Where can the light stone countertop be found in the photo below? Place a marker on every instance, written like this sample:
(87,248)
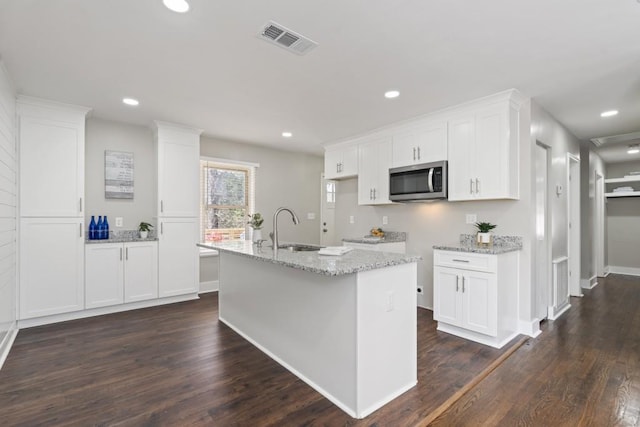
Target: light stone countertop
(467,243)
(389,237)
(352,262)
(124,236)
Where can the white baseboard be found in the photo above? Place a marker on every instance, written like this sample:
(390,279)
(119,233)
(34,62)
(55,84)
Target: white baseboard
(210,286)
(531,328)
(45,320)
(629,271)
(590,283)
(6,343)
(555,313)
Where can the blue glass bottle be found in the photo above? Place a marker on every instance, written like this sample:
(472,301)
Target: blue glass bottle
(99,228)
(92,228)
(105,228)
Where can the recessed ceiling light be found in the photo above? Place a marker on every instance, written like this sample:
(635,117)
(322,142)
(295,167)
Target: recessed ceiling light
(131,101)
(633,149)
(180,6)
(609,113)
(391,94)
(287,134)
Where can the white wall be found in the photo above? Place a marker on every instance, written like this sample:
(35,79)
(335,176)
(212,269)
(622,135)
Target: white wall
(104,135)
(588,205)
(8,196)
(284,178)
(622,224)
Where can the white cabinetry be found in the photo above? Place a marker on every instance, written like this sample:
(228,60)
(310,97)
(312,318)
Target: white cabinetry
(374,159)
(341,162)
(178,257)
(178,149)
(475,295)
(51,266)
(119,273)
(422,144)
(51,236)
(484,152)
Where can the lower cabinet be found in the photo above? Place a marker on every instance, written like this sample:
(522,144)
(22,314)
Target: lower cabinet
(51,266)
(179,256)
(475,295)
(117,273)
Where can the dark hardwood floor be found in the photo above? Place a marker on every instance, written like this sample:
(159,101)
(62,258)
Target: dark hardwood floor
(584,370)
(177,365)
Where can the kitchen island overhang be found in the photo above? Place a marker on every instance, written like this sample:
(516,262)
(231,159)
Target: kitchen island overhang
(345,325)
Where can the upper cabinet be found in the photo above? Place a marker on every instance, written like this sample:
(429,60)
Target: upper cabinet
(484,152)
(51,150)
(178,151)
(422,144)
(341,162)
(374,160)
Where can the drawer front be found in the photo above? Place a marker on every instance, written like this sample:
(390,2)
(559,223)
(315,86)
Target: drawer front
(466,260)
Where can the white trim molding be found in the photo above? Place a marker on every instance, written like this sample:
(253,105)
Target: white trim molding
(7,343)
(531,328)
(210,286)
(629,271)
(590,283)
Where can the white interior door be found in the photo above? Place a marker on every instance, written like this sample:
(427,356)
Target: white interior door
(573,216)
(328,212)
(543,233)
(598,218)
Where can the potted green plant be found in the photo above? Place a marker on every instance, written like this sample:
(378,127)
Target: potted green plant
(255,222)
(484,236)
(143,229)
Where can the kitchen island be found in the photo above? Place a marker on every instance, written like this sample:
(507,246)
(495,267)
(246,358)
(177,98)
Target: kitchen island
(345,325)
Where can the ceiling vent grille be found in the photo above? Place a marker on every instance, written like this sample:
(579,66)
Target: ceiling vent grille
(285,38)
(616,139)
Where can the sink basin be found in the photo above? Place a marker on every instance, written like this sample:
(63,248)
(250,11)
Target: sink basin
(299,247)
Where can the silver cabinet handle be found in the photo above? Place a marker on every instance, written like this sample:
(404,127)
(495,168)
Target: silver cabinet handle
(161,206)
(471,186)
(80,229)
(418,153)
(370,194)
(477,185)
(162,228)
(120,254)
(463,284)
(80,204)
(457,283)
(126,252)
(374,194)
(460,260)
(337,167)
(414,153)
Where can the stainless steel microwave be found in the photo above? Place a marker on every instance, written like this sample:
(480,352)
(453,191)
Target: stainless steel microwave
(418,183)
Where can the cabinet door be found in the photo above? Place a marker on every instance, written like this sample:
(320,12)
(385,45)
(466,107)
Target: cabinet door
(367,173)
(424,144)
(178,174)
(349,161)
(447,302)
(462,159)
(103,274)
(341,162)
(480,302)
(51,266)
(51,168)
(382,173)
(492,154)
(140,271)
(178,258)
(332,159)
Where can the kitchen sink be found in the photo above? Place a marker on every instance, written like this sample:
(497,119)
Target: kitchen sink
(298,247)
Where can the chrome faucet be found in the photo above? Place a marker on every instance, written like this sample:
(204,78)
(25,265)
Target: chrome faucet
(274,234)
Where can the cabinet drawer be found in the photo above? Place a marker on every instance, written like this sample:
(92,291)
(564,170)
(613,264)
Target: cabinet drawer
(465,260)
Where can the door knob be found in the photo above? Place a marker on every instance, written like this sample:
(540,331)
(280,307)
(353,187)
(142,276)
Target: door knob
(324,230)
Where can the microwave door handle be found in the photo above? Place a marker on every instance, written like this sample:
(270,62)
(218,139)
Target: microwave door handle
(430,180)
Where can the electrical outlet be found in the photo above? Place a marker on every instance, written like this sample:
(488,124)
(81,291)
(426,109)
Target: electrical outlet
(420,290)
(472,218)
(311,215)
(119,221)
(352,219)
(390,305)
(385,220)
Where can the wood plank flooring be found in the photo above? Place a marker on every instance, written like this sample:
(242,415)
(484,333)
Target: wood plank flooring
(584,370)
(177,365)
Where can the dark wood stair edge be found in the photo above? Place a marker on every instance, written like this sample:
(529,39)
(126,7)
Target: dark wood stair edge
(462,391)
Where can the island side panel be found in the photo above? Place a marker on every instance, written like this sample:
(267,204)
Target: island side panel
(387,335)
(304,321)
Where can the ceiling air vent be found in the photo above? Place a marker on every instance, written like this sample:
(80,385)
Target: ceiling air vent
(286,39)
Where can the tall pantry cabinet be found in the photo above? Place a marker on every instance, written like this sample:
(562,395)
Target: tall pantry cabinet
(178,160)
(51,207)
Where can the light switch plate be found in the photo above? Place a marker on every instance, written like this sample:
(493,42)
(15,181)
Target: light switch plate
(119,221)
(311,215)
(385,220)
(352,219)
(472,218)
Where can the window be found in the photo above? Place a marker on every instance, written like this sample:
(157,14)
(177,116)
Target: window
(226,199)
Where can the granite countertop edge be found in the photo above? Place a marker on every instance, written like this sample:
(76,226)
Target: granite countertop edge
(382,260)
(389,237)
(492,250)
(121,240)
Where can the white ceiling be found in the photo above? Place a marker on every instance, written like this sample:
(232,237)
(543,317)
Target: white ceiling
(208,69)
